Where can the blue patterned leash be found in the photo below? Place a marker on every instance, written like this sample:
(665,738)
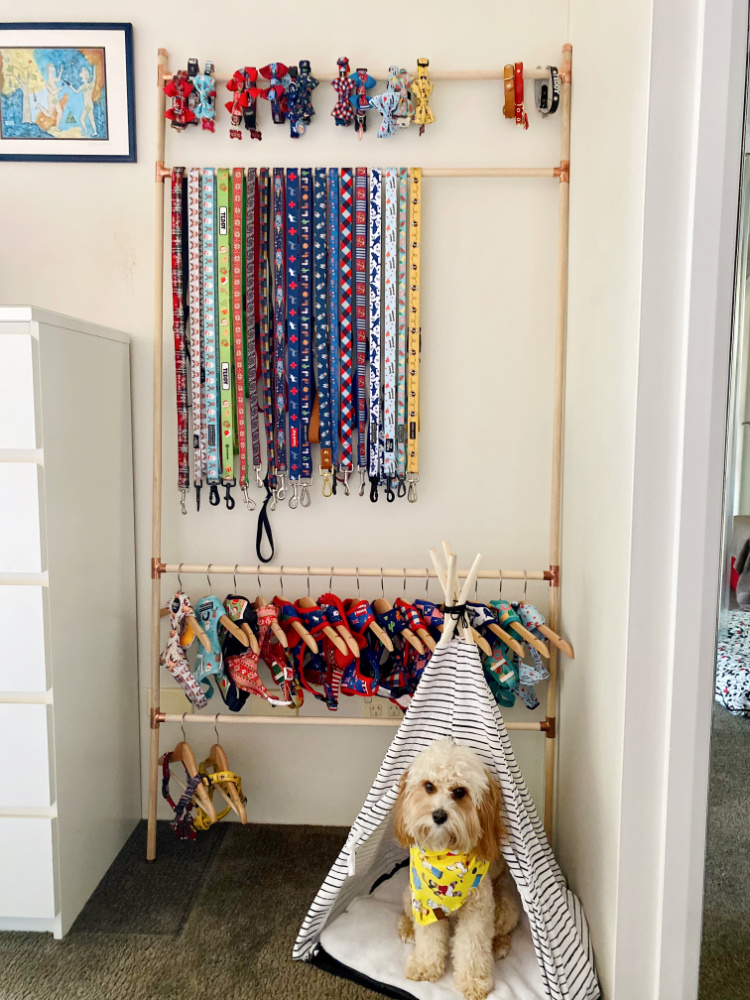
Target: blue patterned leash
(321,328)
(389,354)
(279,330)
(305,331)
(360,312)
(292,313)
(334,293)
(375,358)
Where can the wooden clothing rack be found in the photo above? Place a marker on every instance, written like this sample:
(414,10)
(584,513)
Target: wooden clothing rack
(561,171)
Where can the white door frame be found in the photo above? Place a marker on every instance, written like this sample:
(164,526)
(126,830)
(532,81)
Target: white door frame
(699,55)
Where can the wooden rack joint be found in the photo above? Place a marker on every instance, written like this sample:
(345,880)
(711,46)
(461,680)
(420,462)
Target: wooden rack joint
(162,172)
(549,727)
(563,171)
(157,568)
(554,576)
(157,718)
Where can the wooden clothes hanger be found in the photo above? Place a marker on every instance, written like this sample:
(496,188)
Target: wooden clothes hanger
(381,606)
(298,627)
(217,759)
(183,753)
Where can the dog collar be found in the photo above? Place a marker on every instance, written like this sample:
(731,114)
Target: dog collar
(422,89)
(279,79)
(360,101)
(344,85)
(547,92)
(522,118)
(205,91)
(179,88)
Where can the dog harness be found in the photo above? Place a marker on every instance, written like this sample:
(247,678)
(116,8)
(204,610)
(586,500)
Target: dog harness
(242,663)
(344,85)
(441,882)
(208,611)
(183,823)
(173,657)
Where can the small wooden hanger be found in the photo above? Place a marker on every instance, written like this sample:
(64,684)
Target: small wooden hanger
(298,627)
(278,631)
(191,622)
(182,753)
(225,620)
(562,644)
(341,628)
(338,642)
(218,758)
(380,606)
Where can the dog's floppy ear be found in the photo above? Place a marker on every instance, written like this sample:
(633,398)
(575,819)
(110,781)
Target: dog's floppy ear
(399,824)
(491,822)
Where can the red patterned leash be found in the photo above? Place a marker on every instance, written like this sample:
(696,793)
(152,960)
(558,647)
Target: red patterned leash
(238,268)
(345,321)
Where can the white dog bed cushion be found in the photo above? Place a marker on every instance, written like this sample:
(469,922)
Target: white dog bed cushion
(364,939)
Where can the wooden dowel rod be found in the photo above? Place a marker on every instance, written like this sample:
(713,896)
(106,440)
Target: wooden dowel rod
(153,778)
(550,749)
(438,75)
(296,720)
(488,172)
(349,571)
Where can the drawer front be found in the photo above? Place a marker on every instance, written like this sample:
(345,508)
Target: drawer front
(20,530)
(24,739)
(27,878)
(23,663)
(17,420)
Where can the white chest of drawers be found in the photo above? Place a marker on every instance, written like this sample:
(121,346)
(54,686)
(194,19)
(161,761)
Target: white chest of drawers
(70,792)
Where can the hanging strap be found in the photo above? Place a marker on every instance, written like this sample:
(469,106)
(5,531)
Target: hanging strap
(360,306)
(305,330)
(196,360)
(264,325)
(210,333)
(292,312)
(225,332)
(279,329)
(251,281)
(375,249)
(238,324)
(180,343)
(390,258)
(322,362)
(334,271)
(415,332)
(346,199)
(403,323)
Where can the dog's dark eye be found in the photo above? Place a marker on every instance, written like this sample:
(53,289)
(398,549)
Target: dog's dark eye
(429,787)
(458,793)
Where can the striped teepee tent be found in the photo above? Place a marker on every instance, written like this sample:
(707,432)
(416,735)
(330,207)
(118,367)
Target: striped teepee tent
(453,701)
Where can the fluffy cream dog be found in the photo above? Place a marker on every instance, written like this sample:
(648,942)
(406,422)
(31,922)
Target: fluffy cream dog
(449,802)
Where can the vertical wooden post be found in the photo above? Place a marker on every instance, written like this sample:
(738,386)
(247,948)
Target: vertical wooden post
(550,747)
(153,778)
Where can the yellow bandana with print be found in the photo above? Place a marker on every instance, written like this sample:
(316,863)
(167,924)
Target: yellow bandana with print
(441,882)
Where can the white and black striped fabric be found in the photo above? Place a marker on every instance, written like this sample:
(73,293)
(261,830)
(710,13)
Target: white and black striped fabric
(453,701)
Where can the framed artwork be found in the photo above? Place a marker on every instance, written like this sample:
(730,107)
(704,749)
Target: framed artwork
(66,92)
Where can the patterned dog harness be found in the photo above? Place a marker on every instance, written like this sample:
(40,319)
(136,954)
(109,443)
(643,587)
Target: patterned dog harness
(441,882)
(183,823)
(173,657)
(208,611)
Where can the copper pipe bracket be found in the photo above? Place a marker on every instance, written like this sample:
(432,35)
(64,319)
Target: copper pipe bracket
(549,728)
(157,718)
(563,171)
(554,576)
(162,172)
(157,568)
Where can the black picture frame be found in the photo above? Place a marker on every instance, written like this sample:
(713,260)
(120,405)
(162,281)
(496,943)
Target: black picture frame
(126,32)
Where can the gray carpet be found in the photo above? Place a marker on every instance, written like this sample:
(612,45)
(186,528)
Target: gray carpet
(214,919)
(725,952)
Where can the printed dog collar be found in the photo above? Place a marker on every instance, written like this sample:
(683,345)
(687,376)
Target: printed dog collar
(386,103)
(344,85)
(205,90)
(179,88)
(306,84)
(422,89)
(279,79)
(509,90)
(360,101)
(245,103)
(547,92)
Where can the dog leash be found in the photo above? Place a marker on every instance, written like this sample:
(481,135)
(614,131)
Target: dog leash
(251,291)
(390,269)
(196,338)
(346,189)
(403,322)
(264,327)
(360,307)
(180,344)
(225,334)
(293,338)
(305,332)
(375,250)
(210,345)
(415,332)
(334,271)
(238,325)
(320,282)
(279,328)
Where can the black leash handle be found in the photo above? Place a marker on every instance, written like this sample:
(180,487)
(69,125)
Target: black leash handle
(264,527)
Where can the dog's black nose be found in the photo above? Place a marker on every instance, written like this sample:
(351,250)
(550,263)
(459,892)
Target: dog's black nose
(440,816)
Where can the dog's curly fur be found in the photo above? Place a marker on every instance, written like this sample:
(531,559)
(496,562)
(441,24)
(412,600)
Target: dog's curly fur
(481,928)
